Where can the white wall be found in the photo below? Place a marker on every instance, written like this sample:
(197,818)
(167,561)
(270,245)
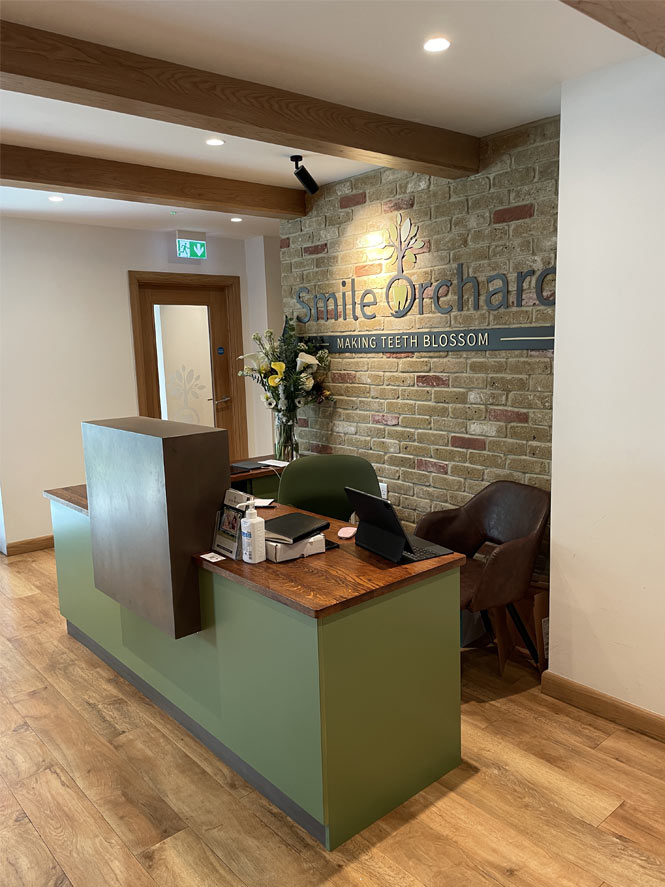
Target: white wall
(3,535)
(66,348)
(608,469)
(265,312)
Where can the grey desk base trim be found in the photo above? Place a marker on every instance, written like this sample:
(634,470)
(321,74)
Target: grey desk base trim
(315,828)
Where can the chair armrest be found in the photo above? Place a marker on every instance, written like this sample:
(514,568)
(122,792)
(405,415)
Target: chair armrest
(507,574)
(452,528)
(433,524)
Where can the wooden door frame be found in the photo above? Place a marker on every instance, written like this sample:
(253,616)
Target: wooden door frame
(145,348)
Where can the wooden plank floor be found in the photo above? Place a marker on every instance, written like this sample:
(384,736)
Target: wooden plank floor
(99,787)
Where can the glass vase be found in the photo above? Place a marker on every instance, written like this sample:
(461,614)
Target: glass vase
(286,443)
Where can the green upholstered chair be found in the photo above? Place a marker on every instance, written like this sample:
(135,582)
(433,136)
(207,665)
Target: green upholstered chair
(316,483)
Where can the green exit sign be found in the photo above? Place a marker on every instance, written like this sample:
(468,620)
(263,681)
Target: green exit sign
(191,249)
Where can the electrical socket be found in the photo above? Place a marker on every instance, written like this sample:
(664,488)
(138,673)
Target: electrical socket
(384,490)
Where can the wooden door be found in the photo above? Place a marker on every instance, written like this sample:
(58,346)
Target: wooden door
(220,296)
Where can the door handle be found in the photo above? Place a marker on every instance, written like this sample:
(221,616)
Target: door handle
(222,400)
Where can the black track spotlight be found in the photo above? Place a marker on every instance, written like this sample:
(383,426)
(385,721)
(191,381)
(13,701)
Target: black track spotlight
(303,176)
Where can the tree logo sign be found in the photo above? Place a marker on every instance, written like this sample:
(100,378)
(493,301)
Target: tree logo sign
(401,246)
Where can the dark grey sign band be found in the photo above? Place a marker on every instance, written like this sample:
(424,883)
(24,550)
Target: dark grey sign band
(528,338)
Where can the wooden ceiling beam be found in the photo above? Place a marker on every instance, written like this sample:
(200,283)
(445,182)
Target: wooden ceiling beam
(55,66)
(640,20)
(73,174)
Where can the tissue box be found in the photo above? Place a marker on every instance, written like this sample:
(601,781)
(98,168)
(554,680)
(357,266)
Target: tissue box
(281,551)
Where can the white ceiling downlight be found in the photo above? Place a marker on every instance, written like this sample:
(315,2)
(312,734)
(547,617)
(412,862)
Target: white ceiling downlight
(436,44)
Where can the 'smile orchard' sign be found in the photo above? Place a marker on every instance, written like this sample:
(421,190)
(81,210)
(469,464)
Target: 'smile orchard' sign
(402,295)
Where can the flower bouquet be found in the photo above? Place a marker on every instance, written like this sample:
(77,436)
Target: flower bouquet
(291,372)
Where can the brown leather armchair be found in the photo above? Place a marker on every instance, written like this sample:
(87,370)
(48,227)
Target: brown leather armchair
(513,517)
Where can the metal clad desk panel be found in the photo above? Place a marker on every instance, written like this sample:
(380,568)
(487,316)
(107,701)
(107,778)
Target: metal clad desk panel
(153,490)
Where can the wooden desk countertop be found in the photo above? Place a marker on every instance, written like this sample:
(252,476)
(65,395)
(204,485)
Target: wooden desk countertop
(318,585)
(335,580)
(75,497)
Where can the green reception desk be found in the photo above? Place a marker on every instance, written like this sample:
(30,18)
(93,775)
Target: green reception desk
(330,684)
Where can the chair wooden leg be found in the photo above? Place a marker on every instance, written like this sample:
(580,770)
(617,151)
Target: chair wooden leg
(504,642)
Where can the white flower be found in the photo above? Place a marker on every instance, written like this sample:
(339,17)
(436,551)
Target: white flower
(253,356)
(306,381)
(300,401)
(269,401)
(306,362)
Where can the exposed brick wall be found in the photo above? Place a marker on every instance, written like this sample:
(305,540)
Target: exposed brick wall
(437,427)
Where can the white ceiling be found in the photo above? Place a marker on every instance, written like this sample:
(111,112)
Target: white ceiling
(60,126)
(32,204)
(505,66)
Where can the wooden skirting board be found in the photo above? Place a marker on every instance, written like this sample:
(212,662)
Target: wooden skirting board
(609,707)
(23,546)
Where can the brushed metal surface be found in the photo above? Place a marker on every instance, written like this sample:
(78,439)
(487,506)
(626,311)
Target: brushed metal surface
(153,490)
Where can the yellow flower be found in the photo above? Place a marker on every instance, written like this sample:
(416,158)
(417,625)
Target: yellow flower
(279,368)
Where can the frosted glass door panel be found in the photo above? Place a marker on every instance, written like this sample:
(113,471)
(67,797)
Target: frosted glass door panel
(183,363)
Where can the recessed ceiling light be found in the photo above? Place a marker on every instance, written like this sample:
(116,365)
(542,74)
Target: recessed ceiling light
(236,219)
(436,44)
(54,198)
(214,142)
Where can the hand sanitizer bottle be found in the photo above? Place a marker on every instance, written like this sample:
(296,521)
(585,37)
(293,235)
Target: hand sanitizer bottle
(253,530)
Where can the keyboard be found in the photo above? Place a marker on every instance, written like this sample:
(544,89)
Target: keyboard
(422,552)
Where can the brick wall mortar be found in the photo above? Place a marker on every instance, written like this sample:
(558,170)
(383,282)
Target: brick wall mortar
(439,427)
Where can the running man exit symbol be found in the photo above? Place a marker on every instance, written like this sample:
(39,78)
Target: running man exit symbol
(191,249)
